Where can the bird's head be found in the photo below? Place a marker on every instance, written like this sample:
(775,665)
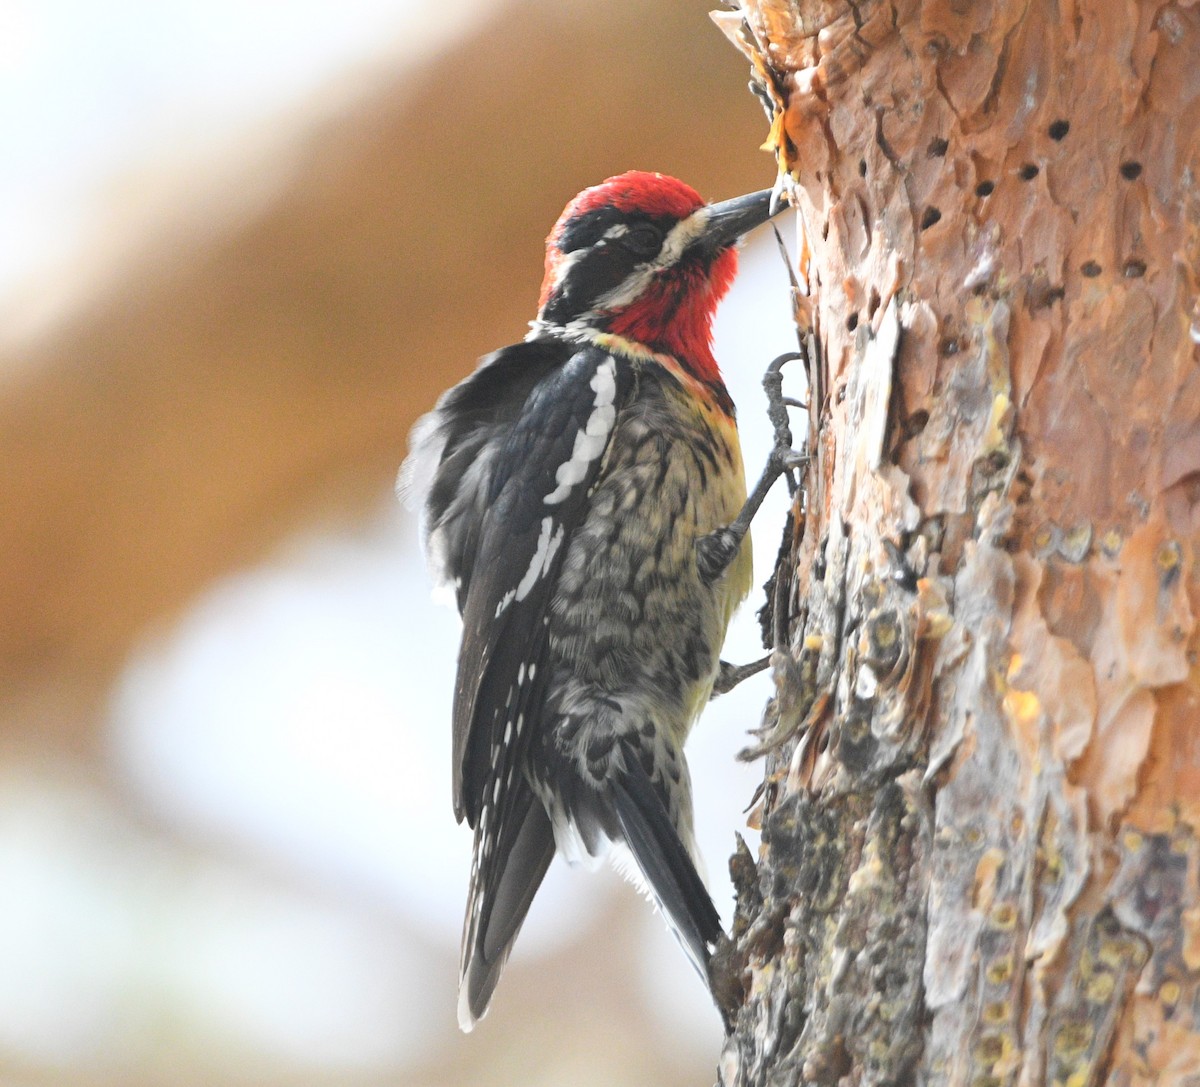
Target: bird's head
(642,256)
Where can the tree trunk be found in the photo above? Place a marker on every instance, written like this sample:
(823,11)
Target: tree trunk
(981,807)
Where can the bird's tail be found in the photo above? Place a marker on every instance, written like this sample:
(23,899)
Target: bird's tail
(670,874)
(505,875)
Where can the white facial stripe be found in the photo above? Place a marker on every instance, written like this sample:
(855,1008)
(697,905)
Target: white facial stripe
(680,236)
(591,440)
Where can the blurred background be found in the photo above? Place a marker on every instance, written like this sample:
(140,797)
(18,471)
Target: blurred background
(242,247)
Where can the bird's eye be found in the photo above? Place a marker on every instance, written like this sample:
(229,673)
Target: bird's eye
(642,240)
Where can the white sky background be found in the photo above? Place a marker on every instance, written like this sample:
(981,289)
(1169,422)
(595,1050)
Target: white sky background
(324,747)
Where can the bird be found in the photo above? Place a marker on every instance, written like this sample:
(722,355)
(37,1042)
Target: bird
(567,488)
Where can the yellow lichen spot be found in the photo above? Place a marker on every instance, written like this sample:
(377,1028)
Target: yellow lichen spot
(1004,916)
(991,1048)
(1052,865)
(1168,557)
(1169,993)
(999,970)
(996,1012)
(879,1050)
(813,642)
(1078,1078)
(1072,1040)
(885,632)
(1112,953)
(994,437)
(972,836)
(1132,841)
(1014,665)
(1190,951)
(890,1009)
(1022,706)
(1100,988)
(1110,543)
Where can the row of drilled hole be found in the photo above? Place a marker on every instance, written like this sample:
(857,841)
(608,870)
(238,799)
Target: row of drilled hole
(1132,269)
(1130,170)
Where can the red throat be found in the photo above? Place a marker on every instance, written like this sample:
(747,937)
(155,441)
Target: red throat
(675,315)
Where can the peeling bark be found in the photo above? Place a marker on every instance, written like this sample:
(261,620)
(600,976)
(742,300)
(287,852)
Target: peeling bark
(980,860)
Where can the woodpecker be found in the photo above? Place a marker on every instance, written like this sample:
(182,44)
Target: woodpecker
(566,487)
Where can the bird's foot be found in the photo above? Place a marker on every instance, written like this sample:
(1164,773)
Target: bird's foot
(730,675)
(715,551)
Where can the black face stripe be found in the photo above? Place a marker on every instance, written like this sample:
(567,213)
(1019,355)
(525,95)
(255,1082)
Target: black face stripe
(595,273)
(599,265)
(589,228)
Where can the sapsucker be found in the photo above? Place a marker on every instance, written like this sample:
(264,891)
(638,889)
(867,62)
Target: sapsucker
(565,486)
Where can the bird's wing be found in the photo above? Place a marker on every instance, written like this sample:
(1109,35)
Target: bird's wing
(452,450)
(539,487)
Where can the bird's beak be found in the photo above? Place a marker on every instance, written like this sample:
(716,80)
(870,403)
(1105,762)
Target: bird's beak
(730,219)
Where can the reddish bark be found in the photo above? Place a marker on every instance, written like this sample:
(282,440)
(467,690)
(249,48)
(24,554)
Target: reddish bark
(980,859)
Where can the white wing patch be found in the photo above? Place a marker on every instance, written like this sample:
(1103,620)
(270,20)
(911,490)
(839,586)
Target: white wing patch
(548,543)
(591,440)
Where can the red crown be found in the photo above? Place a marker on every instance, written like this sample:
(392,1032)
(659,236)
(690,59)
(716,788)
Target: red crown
(637,190)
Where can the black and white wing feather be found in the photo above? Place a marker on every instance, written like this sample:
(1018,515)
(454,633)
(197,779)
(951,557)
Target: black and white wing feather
(530,471)
(551,458)
(448,473)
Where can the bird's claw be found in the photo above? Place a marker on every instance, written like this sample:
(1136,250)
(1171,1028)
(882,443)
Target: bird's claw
(730,675)
(715,551)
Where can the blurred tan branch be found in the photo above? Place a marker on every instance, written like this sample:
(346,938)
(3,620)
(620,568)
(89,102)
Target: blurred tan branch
(223,390)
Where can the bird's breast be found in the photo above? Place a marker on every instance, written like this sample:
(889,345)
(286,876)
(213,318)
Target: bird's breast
(631,612)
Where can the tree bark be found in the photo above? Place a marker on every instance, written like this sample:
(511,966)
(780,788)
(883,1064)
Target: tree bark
(980,860)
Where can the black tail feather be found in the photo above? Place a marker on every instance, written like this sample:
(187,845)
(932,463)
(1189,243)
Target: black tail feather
(502,890)
(665,863)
